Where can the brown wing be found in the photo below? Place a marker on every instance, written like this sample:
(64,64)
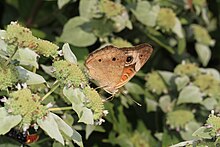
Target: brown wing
(137,56)
(113,67)
(106,66)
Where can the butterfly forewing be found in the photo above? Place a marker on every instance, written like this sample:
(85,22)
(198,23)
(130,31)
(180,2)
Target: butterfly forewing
(113,67)
(138,56)
(106,66)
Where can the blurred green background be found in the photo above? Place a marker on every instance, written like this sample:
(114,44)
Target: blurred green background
(176,98)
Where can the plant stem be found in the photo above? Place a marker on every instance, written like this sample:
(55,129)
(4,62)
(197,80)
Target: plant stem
(9,59)
(168,48)
(55,85)
(34,69)
(60,109)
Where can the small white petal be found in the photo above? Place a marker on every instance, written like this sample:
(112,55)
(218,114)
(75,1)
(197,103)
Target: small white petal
(18,86)
(36,127)
(10,110)
(49,105)
(60,52)
(25,127)
(105,112)
(24,85)
(183,62)
(3,100)
(212,112)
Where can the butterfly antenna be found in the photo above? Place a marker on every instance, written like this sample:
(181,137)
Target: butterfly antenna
(136,102)
(131,99)
(110,98)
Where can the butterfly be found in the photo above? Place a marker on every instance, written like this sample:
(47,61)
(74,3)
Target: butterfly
(112,67)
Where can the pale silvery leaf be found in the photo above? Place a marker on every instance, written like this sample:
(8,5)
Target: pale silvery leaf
(151,105)
(165,103)
(145,13)
(212,72)
(190,94)
(87,116)
(177,29)
(203,132)
(77,98)
(62,3)
(3,48)
(75,34)
(48,69)
(2,34)
(181,82)
(89,130)
(28,77)
(50,126)
(204,53)
(8,121)
(68,54)
(167,76)
(26,57)
(74,95)
(88,9)
(65,128)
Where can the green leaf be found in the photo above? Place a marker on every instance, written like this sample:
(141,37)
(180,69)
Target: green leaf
(57,144)
(167,76)
(38,33)
(203,132)
(26,57)
(8,142)
(122,21)
(89,130)
(29,77)
(134,88)
(176,120)
(145,13)
(184,143)
(48,69)
(151,105)
(202,35)
(81,53)
(68,54)
(88,9)
(210,103)
(190,94)
(74,95)
(203,52)
(77,33)
(98,29)
(3,48)
(181,45)
(2,33)
(50,126)
(215,73)
(177,29)
(165,103)
(181,82)
(190,127)
(62,3)
(8,121)
(76,137)
(123,126)
(169,138)
(86,116)
(77,98)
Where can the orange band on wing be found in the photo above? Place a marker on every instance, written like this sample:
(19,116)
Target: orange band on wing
(124,77)
(127,74)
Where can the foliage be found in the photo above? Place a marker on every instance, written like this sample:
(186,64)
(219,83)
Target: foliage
(45,89)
